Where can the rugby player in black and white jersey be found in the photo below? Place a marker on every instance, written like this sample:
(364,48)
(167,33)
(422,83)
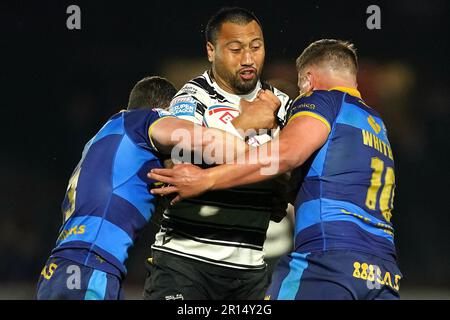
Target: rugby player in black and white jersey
(211,247)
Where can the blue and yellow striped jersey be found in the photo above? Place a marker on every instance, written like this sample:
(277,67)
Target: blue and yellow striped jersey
(107,203)
(346,189)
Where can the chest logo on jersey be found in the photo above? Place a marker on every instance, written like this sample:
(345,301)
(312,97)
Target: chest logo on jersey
(221,114)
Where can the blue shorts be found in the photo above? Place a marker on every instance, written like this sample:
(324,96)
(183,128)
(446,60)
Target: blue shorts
(334,275)
(63,279)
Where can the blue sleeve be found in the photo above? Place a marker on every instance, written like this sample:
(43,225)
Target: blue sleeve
(322,105)
(138,123)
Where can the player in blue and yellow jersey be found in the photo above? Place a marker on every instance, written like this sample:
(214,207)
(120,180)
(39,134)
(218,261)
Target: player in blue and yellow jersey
(343,172)
(108,203)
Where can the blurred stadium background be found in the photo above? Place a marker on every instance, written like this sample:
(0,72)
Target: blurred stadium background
(59,86)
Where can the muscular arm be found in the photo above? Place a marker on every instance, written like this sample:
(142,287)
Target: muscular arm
(215,146)
(296,143)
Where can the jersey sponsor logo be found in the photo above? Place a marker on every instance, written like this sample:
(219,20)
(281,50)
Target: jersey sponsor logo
(48,271)
(219,109)
(177,296)
(310,106)
(189,90)
(72,231)
(375,126)
(220,114)
(374,276)
(183,106)
(226,117)
(300,107)
(179,100)
(385,227)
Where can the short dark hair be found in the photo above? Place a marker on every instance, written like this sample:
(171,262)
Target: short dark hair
(341,54)
(151,92)
(235,15)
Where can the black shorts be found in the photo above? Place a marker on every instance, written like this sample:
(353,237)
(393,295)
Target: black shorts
(171,277)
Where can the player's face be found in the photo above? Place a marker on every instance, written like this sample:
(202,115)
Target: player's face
(238,57)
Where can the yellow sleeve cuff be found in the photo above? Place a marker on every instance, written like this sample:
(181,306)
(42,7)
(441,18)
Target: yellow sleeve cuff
(150,129)
(311,114)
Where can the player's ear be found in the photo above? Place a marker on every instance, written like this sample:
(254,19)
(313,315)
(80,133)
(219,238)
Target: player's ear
(306,83)
(309,82)
(210,50)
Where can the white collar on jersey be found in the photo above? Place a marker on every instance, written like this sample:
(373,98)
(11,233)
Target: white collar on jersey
(234,98)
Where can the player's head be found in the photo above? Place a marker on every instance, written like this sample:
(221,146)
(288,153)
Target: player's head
(235,47)
(151,92)
(325,64)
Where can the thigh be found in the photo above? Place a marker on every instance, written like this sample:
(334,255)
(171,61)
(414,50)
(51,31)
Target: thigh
(255,290)
(245,285)
(352,274)
(373,277)
(334,275)
(287,277)
(63,279)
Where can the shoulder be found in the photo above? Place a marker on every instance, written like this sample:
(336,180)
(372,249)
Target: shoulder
(321,104)
(318,100)
(137,122)
(320,97)
(193,97)
(142,115)
(199,88)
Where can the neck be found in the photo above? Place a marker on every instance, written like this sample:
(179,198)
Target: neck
(327,85)
(329,79)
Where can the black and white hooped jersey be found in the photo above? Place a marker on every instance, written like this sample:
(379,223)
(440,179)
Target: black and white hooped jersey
(224,227)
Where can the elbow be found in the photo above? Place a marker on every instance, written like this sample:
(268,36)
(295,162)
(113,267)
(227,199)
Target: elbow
(289,159)
(286,164)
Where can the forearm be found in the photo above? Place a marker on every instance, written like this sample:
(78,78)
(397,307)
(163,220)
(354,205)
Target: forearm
(296,143)
(256,166)
(290,150)
(232,175)
(219,147)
